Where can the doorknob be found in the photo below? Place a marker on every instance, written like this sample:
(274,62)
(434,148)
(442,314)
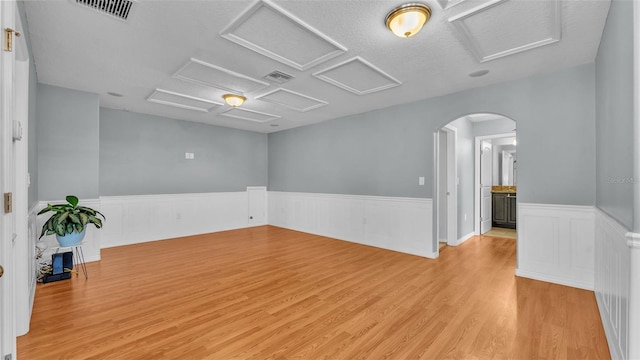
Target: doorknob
(1,271)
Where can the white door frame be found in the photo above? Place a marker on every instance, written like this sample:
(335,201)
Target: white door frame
(451,186)
(485,189)
(7,179)
(24,278)
(477,186)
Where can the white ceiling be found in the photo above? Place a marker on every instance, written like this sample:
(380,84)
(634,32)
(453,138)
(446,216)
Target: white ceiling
(177,58)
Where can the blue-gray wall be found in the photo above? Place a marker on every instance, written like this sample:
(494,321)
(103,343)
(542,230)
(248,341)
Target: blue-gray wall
(466,174)
(383,152)
(614,115)
(33,88)
(145,154)
(67,136)
(377,153)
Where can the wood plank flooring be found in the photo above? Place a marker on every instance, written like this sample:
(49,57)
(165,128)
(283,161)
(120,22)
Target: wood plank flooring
(271,293)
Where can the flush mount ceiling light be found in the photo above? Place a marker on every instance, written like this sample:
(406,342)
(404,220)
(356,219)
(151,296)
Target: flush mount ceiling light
(407,20)
(234,100)
(479,73)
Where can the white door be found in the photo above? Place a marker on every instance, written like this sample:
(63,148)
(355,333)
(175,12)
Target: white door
(452,186)
(23,248)
(486,180)
(257,196)
(7,185)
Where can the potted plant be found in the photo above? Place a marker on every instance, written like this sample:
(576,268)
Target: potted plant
(69,221)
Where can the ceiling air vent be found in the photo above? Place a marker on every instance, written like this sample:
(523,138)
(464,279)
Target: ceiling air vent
(278,77)
(118,8)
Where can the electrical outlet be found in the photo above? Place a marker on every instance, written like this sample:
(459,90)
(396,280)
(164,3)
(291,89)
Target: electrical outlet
(421,180)
(465,217)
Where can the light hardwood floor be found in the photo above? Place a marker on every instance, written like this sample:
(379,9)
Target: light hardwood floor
(270,293)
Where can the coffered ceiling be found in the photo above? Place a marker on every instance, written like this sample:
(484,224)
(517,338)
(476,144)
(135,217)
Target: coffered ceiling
(327,58)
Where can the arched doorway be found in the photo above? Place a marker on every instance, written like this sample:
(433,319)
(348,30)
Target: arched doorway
(462,197)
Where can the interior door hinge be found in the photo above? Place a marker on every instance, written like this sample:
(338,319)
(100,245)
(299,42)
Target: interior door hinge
(8,38)
(8,202)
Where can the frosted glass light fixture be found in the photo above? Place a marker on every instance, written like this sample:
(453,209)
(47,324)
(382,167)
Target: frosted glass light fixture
(234,100)
(408,19)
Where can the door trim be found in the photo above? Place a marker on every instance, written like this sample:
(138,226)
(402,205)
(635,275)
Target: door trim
(7,178)
(452,187)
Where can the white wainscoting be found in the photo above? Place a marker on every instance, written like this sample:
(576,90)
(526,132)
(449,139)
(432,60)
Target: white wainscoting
(143,218)
(26,269)
(556,244)
(91,247)
(399,224)
(612,282)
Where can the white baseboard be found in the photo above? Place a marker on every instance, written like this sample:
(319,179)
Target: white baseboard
(398,224)
(464,238)
(556,244)
(560,280)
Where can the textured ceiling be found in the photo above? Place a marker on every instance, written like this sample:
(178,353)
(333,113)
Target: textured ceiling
(177,58)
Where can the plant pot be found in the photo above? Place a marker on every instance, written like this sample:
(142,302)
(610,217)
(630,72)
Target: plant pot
(72,239)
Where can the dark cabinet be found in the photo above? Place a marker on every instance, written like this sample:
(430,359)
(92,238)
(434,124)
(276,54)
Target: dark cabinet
(504,210)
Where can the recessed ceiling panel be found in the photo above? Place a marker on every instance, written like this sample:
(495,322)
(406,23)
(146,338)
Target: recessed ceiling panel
(358,76)
(273,32)
(250,115)
(446,4)
(182,101)
(292,100)
(201,72)
(505,27)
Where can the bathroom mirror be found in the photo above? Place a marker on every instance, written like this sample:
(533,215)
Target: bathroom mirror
(505,162)
(509,167)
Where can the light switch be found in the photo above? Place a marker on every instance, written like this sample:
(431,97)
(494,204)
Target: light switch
(421,180)
(189,156)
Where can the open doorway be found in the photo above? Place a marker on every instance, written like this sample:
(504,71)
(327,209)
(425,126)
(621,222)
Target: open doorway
(446,187)
(496,181)
(460,198)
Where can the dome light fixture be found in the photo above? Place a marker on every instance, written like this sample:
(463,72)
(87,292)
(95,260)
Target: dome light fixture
(234,100)
(408,19)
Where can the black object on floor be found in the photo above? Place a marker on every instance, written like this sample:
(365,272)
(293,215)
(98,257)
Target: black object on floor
(60,262)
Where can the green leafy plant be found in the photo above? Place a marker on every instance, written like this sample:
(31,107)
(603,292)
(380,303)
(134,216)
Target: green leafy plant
(69,217)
